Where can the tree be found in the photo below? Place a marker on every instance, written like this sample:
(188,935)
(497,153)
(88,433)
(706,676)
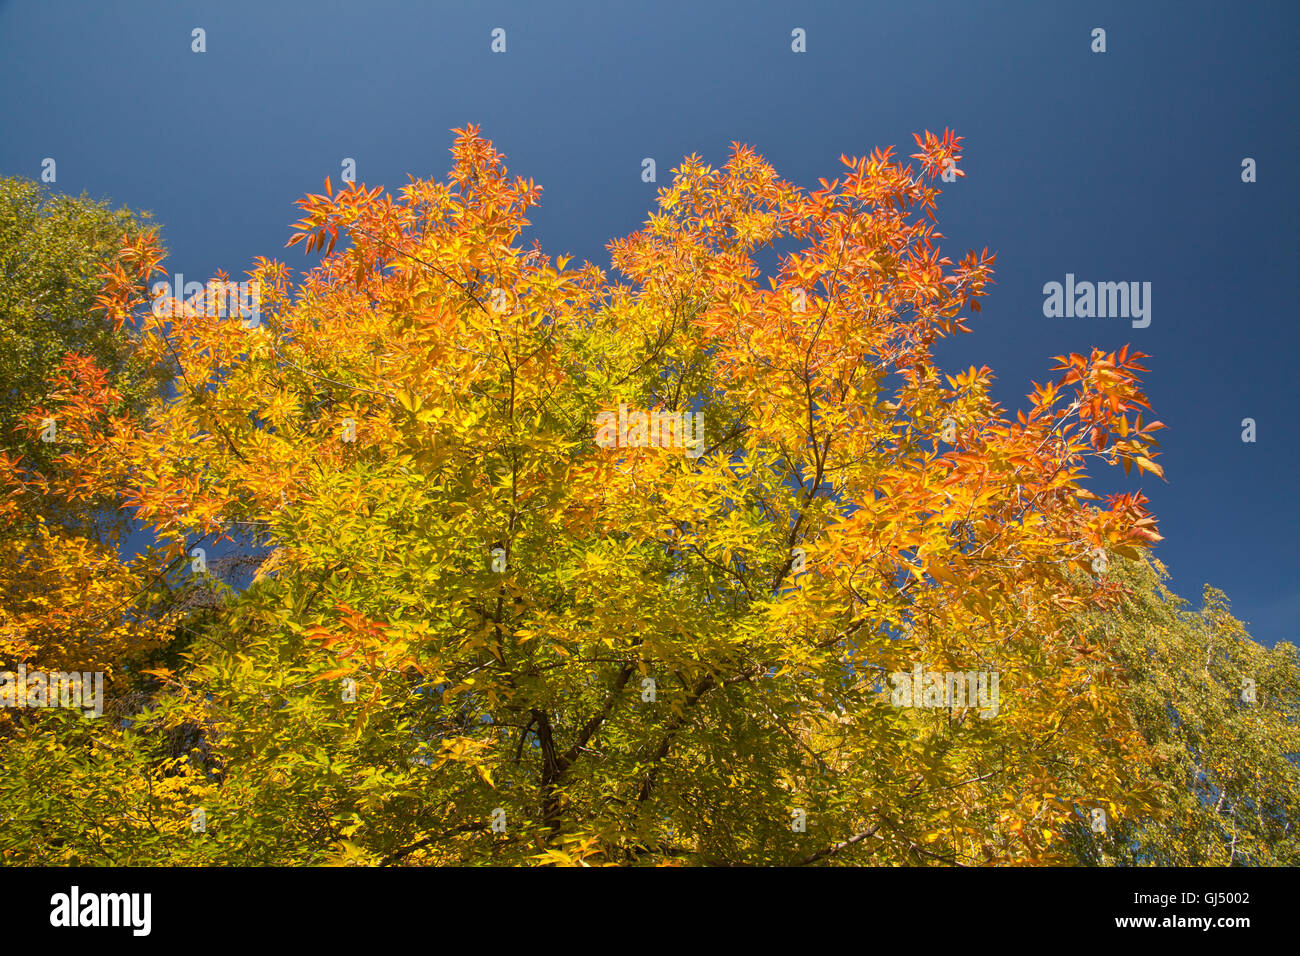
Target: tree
(499,616)
(53,251)
(68,599)
(1219,710)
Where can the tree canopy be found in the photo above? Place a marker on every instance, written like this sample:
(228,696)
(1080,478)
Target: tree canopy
(508,605)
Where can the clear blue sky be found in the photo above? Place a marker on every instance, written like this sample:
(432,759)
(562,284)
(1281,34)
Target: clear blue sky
(1117,166)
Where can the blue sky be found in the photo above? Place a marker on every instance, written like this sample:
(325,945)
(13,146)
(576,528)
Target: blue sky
(1122,166)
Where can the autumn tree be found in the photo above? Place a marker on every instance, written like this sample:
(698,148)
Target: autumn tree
(499,616)
(54,249)
(1219,710)
(68,598)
